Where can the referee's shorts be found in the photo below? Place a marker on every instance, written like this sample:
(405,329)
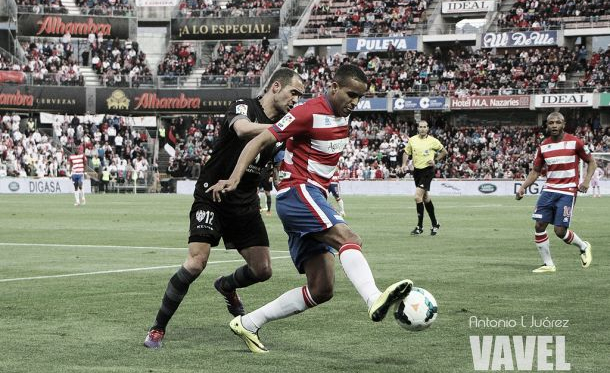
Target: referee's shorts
(423,177)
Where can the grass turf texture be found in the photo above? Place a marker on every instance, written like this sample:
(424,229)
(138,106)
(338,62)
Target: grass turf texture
(479,265)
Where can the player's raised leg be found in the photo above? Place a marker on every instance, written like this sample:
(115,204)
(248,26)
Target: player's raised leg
(358,271)
(257,269)
(568,236)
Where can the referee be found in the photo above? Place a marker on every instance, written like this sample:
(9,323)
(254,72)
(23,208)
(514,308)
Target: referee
(425,151)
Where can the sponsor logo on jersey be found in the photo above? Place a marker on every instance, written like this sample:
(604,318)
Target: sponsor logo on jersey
(285,121)
(241,109)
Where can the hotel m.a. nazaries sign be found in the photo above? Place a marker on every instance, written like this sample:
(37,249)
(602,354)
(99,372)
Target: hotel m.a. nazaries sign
(225,28)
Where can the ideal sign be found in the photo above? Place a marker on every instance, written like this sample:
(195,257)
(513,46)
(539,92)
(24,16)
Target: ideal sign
(519,39)
(458,7)
(564,100)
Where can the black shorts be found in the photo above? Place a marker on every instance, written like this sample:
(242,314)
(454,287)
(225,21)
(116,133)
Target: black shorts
(239,228)
(423,177)
(265,185)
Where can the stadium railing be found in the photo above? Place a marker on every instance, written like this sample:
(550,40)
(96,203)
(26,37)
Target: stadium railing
(108,12)
(225,13)
(41,9)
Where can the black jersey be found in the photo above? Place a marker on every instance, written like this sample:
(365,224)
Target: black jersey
(226,151)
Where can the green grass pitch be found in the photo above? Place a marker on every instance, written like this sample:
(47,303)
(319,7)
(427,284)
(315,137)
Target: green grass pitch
(79,287)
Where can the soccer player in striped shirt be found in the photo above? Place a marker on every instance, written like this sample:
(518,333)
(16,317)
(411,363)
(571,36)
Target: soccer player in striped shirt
(77,164)
(561,153)
(315,134)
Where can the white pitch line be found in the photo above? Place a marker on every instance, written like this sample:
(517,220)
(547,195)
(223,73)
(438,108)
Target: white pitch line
(112,246)
(118,271)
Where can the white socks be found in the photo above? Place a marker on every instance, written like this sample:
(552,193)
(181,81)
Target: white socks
(290,303)
(76,197)
(357,269)
(544,248)
(572,239)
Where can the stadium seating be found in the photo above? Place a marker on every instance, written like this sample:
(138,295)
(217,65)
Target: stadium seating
(365,18)
(239,65)
(454,72)
(234,8)
(178,62)
(120,63)
(41,6)
(105,7)
(542,15)
(52,63)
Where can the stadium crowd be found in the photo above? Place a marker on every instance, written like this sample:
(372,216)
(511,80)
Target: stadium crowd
(377,144)
(361,17)
(52,62)
(457,72)
(178,61)
(238,64)
(119,62)
(545,14)
(41,6)
(232,8)
(597,74)
(105,7)
(29,151)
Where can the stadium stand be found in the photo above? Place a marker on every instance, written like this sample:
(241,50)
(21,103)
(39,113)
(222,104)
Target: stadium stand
(364,18)
(120,63)
(234,8)
(105,7)
(544,15)
(237,64)
(178,62)
(52,63)
(41,6)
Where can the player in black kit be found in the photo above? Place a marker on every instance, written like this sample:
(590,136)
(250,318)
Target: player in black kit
(237,217)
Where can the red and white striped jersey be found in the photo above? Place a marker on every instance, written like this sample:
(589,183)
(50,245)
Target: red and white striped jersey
(77,163)
(562,159)
(315,139)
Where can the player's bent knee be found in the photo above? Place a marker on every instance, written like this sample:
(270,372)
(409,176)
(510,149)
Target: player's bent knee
(321,294)
(262,272)
(561,232)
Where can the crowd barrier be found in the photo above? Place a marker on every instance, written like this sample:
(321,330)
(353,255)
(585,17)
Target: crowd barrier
(439,187)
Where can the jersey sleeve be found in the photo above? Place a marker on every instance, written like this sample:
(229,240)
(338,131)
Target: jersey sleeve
(582,150)
(238,110)
(437,145)
(297,121)
(408,149)
(538,158)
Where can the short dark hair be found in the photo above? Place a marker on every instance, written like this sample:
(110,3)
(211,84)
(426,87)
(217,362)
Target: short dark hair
(348,71)
(284,76)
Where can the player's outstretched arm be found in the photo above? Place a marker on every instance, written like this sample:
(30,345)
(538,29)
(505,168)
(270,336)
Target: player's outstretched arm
(591,166)
(248,154)
(529,180)
(247,129)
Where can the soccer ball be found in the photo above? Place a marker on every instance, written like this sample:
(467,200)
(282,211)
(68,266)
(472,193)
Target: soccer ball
(417,311)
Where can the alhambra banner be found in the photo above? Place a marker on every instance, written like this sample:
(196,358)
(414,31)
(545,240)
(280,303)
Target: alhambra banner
(70,100)
(56,25)
(134,101)
(225,28)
